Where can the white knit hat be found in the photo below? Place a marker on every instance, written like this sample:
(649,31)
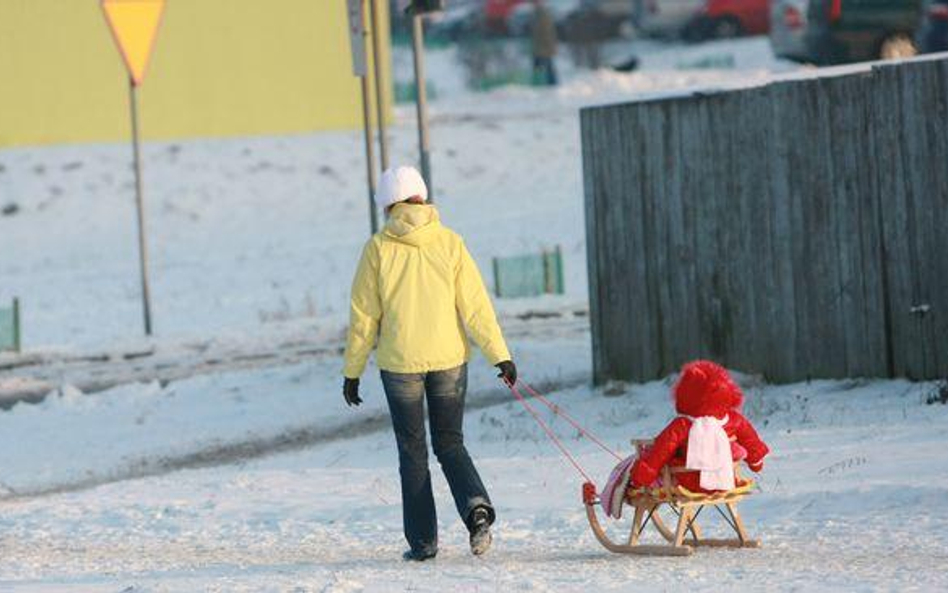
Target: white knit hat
(398,184)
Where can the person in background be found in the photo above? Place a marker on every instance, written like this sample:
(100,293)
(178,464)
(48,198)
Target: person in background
(544,44)
(584,39)
(418,293)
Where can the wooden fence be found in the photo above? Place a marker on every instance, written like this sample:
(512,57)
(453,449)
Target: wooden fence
(797,229)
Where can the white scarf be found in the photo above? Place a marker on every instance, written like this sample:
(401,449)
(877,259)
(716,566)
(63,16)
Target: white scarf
(709,451)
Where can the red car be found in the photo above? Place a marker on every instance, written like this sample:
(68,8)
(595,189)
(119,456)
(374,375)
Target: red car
(732,18)
(497,11)
(697,20)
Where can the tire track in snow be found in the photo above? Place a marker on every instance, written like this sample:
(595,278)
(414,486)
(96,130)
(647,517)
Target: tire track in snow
(32,376)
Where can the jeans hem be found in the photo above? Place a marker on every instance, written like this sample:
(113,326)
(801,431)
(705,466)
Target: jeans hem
(479,501)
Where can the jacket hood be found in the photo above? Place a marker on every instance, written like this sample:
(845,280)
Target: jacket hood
(412,224)
(706,389)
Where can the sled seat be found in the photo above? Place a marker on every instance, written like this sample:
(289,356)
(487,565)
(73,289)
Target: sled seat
(684,504)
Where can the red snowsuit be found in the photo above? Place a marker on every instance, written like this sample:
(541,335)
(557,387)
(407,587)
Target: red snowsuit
(704,389)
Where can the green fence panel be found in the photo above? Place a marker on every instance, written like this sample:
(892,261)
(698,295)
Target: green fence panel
(528,275)
(521,276)
(10,327)
(405,92)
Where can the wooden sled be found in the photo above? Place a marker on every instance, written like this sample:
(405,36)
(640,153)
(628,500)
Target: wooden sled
(683,503)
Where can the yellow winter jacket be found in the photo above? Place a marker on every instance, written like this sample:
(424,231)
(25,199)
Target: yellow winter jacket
(417,289)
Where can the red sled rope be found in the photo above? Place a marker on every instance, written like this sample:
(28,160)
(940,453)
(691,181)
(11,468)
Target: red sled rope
(589,488)
(549,431)
(557,410)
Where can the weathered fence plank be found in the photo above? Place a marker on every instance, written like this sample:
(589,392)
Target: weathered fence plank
(798,229)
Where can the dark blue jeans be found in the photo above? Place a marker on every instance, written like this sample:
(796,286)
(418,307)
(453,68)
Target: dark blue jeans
(444,391)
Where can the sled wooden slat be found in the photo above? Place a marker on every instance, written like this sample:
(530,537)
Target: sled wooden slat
(686,535)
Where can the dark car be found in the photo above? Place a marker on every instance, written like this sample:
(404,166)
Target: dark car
(934,34)
(842,31)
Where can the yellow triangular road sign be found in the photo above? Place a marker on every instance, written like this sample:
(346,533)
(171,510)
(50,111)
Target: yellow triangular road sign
(134,25)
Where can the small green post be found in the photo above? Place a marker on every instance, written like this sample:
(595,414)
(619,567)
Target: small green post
(545,257)
(553,271)
(16,324)
(560,285)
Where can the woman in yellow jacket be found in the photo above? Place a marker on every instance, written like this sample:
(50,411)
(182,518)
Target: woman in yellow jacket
(418,293)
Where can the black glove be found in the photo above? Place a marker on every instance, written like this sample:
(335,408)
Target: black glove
(350,391)
(508,372)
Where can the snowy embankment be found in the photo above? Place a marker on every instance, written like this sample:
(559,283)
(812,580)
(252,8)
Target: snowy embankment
(73,440)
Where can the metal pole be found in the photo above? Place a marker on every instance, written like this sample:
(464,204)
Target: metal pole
(421,100)
(139,201)
(379,83)
(369,153)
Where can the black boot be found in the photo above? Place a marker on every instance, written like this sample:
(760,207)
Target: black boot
(479,526)
(419,555)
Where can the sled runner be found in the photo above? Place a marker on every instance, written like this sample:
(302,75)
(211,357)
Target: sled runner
(683,504)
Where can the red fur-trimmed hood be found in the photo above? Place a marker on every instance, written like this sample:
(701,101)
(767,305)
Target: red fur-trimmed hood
(705,388)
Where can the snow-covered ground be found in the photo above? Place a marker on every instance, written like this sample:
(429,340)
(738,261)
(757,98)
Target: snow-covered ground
(848,500)
(257,477)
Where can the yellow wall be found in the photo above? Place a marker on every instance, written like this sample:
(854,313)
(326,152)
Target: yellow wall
(220,68)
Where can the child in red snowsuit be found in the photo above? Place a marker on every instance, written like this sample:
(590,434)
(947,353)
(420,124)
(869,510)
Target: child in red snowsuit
(707,401)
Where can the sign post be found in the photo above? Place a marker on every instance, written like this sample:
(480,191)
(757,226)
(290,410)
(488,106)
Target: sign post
(134,25)
(379,88)
(360,68)
(421,99)
(417,9)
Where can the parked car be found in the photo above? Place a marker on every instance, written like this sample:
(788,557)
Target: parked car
(698,20)
(609,18)
(666,18)
(934,34)
(842,31)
